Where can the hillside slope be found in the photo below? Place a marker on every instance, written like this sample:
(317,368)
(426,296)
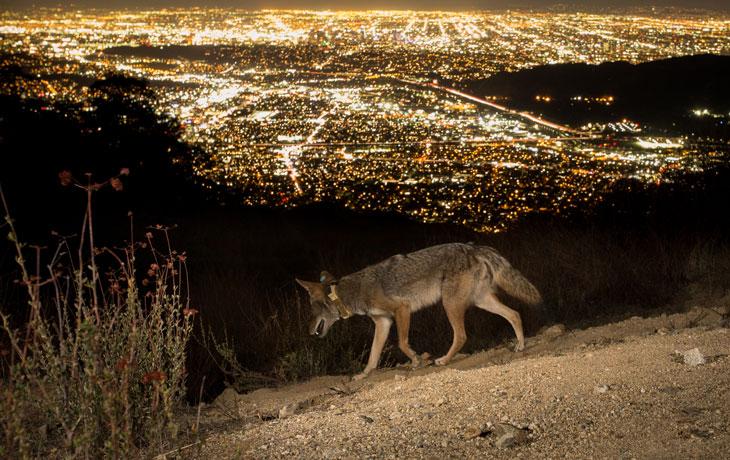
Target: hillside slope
(618,390)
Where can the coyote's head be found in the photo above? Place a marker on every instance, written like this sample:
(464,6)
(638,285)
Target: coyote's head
(324,314)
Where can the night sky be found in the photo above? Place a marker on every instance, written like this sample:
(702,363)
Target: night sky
(370,4)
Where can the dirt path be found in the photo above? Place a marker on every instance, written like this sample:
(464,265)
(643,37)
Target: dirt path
(613,391)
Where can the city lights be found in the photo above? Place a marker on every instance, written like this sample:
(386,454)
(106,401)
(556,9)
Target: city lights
(359,108)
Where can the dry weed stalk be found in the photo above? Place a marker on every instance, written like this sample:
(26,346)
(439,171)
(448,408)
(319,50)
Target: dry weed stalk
(97,368)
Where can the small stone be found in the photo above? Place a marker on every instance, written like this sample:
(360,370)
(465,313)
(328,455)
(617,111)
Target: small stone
(473,432)
(693,357)
(662,331)
(367,419)
(504,441)
(556,330)
(288,410)
(228,398)
(398,378)
(440,402)
(601,388)
(509,435)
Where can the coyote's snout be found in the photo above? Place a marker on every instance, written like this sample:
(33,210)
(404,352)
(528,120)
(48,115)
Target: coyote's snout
(459,275)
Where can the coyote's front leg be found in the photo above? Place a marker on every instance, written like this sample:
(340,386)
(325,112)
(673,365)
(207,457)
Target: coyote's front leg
(382,328)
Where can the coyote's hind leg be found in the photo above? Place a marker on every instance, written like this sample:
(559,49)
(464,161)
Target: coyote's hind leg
(491,304)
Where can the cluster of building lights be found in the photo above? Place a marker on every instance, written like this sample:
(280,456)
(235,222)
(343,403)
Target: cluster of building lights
(296,106)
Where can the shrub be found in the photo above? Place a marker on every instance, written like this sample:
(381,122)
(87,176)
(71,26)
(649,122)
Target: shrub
(97,369)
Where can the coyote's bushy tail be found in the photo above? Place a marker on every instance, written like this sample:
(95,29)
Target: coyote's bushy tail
(516,285)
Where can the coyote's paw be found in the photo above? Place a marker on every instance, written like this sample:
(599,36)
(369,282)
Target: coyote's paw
(360,376)
(519,347)
(442,361)
(416,362)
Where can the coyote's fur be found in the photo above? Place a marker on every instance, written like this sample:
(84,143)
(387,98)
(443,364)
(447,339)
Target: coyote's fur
(458,275)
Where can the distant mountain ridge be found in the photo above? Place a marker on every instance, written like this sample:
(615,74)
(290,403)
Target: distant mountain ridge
(658,92)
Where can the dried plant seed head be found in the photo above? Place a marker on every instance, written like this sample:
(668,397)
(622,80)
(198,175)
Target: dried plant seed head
(116,184)
(65,178)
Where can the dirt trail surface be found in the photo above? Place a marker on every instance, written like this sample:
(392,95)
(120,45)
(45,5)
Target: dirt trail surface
(632,389)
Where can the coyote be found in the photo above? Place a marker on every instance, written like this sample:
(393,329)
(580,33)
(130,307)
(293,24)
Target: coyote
(458,275)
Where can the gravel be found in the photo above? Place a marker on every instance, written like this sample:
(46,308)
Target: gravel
(612,391)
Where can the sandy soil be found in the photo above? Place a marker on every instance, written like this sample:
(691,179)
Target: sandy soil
(621,390)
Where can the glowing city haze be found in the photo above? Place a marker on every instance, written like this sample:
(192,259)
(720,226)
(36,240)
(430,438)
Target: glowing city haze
(361,108)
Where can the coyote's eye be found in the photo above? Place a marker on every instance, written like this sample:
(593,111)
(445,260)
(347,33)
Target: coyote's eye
(318,306)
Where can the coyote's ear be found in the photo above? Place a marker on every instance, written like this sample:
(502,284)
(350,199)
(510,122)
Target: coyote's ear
(326,278)
(308,285)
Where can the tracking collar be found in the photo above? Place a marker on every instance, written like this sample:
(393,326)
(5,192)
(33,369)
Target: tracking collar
(342,309)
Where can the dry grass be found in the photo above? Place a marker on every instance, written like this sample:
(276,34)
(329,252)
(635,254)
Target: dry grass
(94,363)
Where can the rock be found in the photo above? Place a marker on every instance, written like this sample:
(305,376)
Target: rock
(693,357)
(366,419)
(662,331)
(440,402)
(228,399)
(289,410)
(556,330)
(601,388)
(473,432)
(504,441)
(508,435)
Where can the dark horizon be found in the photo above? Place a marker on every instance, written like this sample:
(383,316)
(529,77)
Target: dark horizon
(426,5)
